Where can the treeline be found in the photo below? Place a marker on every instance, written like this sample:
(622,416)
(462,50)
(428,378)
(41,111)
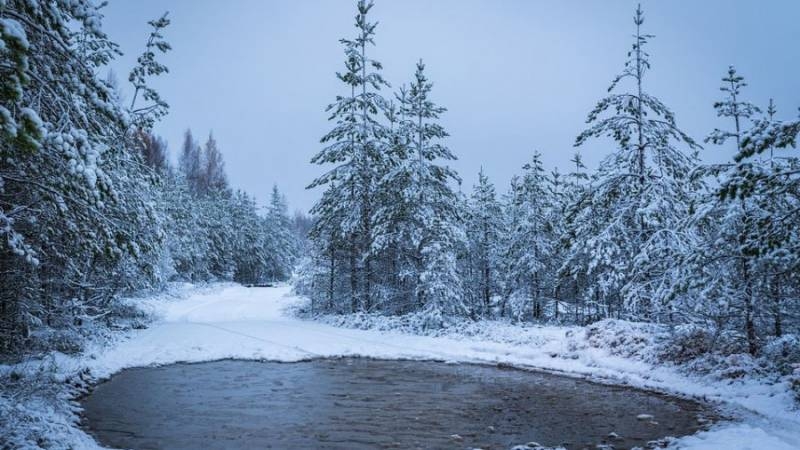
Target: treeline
(651,235)
(218,234)
(89,208)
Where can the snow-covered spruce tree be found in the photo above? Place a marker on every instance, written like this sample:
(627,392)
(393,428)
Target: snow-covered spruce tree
(187,241)
(624,237)
(76,228)
(419,213)
(529,242)
(262,250)
(484,236)
(355,146)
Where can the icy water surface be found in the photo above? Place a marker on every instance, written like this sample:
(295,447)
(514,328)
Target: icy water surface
(364,403)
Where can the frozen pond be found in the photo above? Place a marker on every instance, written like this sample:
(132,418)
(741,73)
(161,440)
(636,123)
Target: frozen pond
(365,403)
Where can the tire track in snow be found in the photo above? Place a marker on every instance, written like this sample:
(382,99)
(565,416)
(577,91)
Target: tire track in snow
(266,341)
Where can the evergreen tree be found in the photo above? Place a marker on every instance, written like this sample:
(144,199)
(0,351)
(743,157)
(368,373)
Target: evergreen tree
(577,197)
(642,191)
(422,212)
(530,241)
(212,176)
(743,254)
(77,219)
(355,147)
(739,219)
(189,164)
(154,107)
(282,243)
(484,232)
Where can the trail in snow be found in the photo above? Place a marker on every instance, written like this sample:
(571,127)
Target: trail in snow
(250,323)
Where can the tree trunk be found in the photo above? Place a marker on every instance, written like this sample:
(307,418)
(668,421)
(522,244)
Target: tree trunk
(331,277)
(776,299)
(353,280)
(749,325)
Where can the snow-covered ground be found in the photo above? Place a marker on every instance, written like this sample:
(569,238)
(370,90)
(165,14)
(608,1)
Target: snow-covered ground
(232,321)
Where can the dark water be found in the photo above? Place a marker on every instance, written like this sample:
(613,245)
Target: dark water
(363,403)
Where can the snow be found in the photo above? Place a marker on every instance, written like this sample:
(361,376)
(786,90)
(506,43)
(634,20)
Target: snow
(231,321)
(13,30)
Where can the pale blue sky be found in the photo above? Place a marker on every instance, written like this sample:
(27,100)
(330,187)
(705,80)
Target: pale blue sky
(516,76)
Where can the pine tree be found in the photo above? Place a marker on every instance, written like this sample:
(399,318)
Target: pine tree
(326,287)
(282,243)
(484,232)
(530,241)
(355,147)
(741,216)
(64,148)
(642,191)
(577,198)
(154,108)
(422,212)
(754,208)
(777,181)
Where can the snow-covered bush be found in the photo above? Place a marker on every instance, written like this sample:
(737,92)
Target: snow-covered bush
(422,322)
(720,353)
(65,340)
(506,331)
(727,367)
(36,410)
(794,380)
(623,338)
(783,353)
(686,343)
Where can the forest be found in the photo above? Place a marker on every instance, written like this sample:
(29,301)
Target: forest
(90,207)
(652,235)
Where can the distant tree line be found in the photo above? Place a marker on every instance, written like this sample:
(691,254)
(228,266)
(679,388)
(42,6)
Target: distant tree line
(90,208)
(652,235)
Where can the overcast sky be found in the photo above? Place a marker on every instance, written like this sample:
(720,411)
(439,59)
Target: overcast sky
(516,76)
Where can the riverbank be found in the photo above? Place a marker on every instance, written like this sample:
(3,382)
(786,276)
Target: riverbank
(231,321)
